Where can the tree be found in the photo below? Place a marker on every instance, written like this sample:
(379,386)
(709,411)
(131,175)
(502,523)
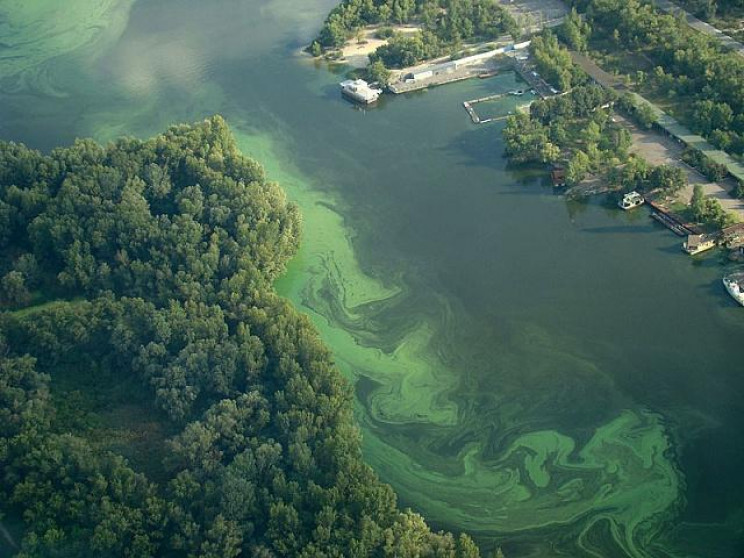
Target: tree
(13,291)
(645,115)
(697,203)
(163,254)
(577,167)
(377,72)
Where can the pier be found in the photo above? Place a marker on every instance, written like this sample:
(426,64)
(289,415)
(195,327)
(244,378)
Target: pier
(671,221)
(536,82)
(478,120)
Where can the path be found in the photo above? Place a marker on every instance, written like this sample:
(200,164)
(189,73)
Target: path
(659,148)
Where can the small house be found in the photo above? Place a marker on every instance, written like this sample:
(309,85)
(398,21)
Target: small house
(558,176)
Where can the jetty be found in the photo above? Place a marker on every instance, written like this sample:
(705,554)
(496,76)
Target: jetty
(468,105)
(672,221)
(537,83)
(447,70)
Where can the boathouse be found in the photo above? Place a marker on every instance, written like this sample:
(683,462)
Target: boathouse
(697,243)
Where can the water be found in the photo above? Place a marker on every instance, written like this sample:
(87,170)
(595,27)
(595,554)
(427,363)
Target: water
(556,378)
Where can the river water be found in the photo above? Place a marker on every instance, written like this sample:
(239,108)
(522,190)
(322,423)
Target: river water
(555,378)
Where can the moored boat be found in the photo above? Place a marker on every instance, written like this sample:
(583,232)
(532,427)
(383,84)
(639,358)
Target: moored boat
(631,200)
(734,284)
(360,91)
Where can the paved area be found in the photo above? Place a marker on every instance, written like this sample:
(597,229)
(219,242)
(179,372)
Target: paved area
(534,15)
(700,25)
(659,148)
(399,84)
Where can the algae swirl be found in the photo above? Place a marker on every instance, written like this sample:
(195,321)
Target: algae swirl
(474,454)
(529,442)
(35,34)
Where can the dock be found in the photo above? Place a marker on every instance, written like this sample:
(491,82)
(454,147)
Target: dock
(528,74)
(468,105)
(671,221)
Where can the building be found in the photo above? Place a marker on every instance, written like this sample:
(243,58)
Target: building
(697,243)
(421,74)
(558,176)
(359,90)
(733,236)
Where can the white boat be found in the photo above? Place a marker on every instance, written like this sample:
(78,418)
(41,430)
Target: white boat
(631,200)
(734,284)
(360,91)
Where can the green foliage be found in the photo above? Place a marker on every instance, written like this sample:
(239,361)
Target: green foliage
(641,176)
(13,291)
(739,190)
(554,62)
(575,32)
(445,25)
(692,71)
(708,211)
(175,243)
(575,127)
(405,49)
(712,170)
(377,72)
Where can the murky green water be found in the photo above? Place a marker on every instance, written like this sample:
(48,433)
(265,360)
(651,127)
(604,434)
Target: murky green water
(555,378)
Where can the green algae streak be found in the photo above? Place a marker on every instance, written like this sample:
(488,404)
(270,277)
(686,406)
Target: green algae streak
(623,474)
(35,32)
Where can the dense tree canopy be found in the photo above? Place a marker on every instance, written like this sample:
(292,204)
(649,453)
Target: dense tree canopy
(691,71)
(575,128)
(157,398)
(554,63)
(445,25)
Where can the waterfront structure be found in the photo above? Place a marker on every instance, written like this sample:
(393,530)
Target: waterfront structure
(558,176)
(697,243)
(360,91)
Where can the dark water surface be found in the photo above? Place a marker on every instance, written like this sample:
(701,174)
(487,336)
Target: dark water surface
(553,377)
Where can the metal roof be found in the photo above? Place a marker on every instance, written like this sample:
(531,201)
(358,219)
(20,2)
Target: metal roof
(673,127)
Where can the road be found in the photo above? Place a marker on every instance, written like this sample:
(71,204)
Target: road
(659,149)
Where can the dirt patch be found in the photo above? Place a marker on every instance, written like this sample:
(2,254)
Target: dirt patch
(356,51)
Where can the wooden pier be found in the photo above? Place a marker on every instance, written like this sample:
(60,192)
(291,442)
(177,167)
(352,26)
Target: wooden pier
(671,221)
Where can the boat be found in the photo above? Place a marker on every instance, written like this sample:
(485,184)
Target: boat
(360,91)
(631,200)
(734,284)
(697,243)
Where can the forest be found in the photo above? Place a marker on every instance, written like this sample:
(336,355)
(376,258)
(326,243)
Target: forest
(712,9)
(578,131)
(575,128)
(445,25)
(687,72)
(157,397)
